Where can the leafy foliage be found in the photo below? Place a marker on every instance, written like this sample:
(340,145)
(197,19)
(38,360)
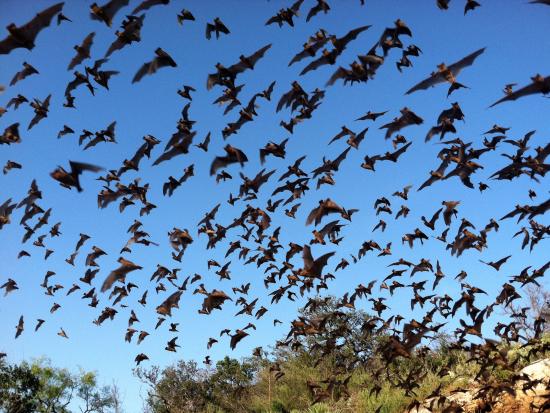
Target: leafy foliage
(41,387)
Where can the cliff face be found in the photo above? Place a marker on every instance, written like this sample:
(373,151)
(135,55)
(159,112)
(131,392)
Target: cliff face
(531,393)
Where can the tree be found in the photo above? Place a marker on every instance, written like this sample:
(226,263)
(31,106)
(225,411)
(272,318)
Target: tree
(182,387)
(230,384)
(533,314)
(186,388)
(344,333)
(18,388)
(41,387)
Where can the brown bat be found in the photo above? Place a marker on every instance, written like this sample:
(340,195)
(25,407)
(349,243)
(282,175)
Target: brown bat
(321,5)
(162,59)
(371,115)
(20,327)
(140,357)
(185,15)
(314,267)
(82,51)
(120,273)
(213,300)
(9,286)
(171,302)
(27,71)
(325,207)
(539,84)
(41,109)
(131,32)
(446,73)
(25,36)
(408,117)
(496,264)
(339,46)
(234,155)
(226,76)
(286,15)
(107,12)
(71,179)
(239,334)
(310,48)
(217,27)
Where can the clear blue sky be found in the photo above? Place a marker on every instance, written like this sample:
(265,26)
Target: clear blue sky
(516,37)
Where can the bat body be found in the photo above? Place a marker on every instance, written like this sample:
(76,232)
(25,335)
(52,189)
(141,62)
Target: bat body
(25,36)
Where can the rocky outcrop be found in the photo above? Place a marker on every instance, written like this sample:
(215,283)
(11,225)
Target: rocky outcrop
(531,393)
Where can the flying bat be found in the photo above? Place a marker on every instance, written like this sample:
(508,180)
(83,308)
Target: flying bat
(162,59)
(446,73)
(539,84)
(25,36)
(71,179)
(234,155)
(27,71)
(107,12)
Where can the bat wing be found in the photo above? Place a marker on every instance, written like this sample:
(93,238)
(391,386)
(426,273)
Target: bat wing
(296,6)
(314,215)
(305,53)
(209,29)
(79,167)
(351,35)
(147,4)
(37,118)
(313,11)
(524,91)
(273,19)
(8,44)
(217,163)
(17,77)
(88,41)
(455,68)
(111,279)
(433,80)
(112,8)
(166,156)
(212,80)
(116,45)
(75,61)
(147,68)
(94,142)
(73,84)
(315,65)
(320,263)
(223,28)
(341,157)
(41,21)
(340,73)
(401,150)
(285,99)
(257,55)
(307,257)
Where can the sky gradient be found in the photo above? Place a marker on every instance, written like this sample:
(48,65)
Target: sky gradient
(517,47)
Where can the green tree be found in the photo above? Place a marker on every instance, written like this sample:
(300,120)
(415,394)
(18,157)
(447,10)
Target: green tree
(41,387)
(231,383)
(182,387)
(18,388)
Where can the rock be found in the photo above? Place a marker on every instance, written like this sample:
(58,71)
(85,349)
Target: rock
(539,370)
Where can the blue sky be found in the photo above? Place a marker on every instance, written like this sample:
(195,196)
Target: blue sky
(514,33)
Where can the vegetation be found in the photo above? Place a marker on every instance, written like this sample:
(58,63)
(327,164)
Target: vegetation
(297,376)
(40,387)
